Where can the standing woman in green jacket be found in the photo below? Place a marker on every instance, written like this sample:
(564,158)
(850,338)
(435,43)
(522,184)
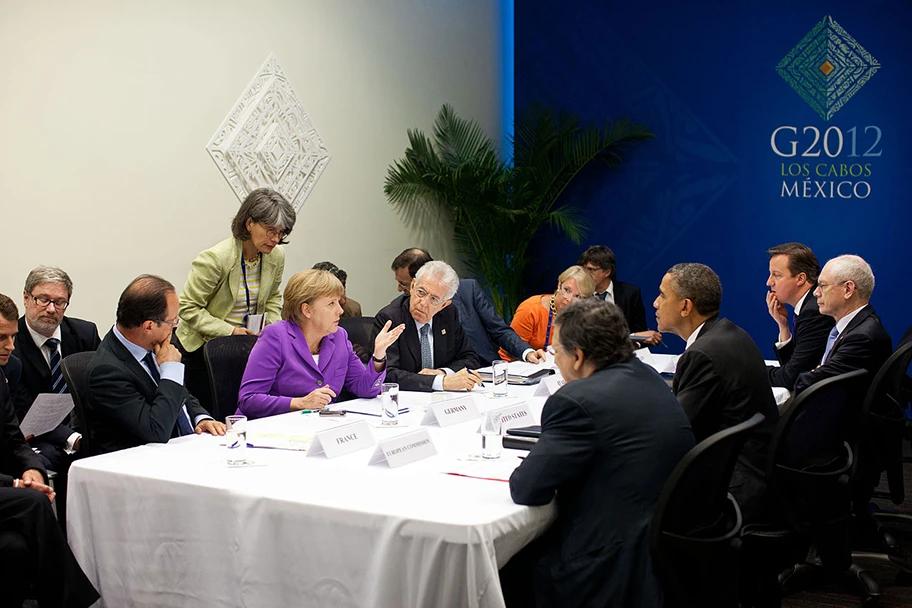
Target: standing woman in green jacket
(233,280)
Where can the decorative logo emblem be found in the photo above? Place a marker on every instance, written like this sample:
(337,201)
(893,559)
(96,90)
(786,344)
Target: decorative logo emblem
(827,67)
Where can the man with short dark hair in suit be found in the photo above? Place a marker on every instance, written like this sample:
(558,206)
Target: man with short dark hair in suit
(483,326)
(858,340)
(33,551)
(721,379)
(600,263)
(793,270)
(433,353)
(610,437)
(45,336)
(136,378)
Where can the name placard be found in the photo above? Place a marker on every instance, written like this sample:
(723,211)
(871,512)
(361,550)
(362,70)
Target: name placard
(404,449)
(549,386)
(342,439)
(452,411)
(514,415)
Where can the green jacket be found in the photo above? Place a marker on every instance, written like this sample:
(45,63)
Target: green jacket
(211,289)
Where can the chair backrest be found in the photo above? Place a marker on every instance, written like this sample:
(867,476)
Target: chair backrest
(226,358)
(74,369)
(360,332)
(884,420)
(694,530)
(810,460)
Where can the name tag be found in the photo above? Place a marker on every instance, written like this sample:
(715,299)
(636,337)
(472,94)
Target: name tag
(452,411)
(342,439)
(404,449)
(549,386)
(514,415)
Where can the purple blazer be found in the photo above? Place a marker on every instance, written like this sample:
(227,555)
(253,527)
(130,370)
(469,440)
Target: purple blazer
(281,367)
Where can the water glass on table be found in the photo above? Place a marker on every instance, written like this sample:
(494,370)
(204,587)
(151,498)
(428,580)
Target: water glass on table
(499,376)
(389,394)
(491,436)
(236,440)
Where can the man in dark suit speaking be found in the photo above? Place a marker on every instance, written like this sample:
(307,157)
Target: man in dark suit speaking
(610,438)
(136,378)
(33,551)
(721,379)
(433,353)
(793,270)
(45,336)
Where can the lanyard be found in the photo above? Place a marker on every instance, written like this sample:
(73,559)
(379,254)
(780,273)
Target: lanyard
(244,273)
(548,331)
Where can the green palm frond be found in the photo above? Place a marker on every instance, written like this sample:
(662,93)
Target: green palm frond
(497,207)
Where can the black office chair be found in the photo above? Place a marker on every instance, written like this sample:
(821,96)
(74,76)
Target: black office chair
(74,369)
(360,332)
(809,475)
(880,448)
(226,359)
(693,536)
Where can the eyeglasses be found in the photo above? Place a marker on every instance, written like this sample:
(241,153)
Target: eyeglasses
(421,294)
(44,302)
(823,286)
(568,293)
(171,323)
(273,232)
(592,269)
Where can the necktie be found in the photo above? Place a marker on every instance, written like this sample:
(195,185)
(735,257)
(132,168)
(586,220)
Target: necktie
(58,384)
(831,339)
(183,420)
(427,359)
(602,296)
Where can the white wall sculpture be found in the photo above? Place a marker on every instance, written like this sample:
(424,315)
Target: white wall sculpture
(268,140)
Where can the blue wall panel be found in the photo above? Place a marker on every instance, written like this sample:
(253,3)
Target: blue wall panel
(709,188)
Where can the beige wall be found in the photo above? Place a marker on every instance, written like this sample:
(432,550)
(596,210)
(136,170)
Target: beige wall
(106,108)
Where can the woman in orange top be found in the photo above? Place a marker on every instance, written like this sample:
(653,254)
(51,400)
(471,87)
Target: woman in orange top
(534,319)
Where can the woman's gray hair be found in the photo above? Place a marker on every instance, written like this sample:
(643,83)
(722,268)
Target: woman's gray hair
(264,206)
(853,268)
(440,271)
(48,274)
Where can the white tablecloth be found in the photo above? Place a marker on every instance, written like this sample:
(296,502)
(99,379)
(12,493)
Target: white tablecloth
(171,525)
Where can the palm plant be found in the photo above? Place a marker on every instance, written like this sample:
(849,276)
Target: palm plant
(496,208)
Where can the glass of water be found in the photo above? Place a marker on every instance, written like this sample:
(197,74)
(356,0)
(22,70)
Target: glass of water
(236,439)
(499,374)
(491,436)
(389,393)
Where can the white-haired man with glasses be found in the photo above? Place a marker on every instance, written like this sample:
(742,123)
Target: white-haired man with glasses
(433,353)
(45,336)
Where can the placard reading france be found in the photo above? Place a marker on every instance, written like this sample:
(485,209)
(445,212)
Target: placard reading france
(825,161)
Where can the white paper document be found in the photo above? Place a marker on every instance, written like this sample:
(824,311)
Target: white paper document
(279,441)
(48,410)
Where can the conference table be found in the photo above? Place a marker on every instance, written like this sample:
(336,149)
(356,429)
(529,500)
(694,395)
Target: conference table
(173,525)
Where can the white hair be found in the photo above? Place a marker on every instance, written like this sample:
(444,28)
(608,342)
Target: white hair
(853,268)
(440,271)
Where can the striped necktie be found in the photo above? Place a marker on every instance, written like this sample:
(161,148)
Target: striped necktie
(58,384)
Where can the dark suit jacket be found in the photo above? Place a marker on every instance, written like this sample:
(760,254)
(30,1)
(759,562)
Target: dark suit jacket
(485,329)
(451,346)
(863,344)
(721,381)
(16,456)
(608,444)
(804,351)
(125,408)
(630,299)
(76,336)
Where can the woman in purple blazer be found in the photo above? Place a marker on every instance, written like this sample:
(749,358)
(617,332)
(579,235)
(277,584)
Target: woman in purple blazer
(303,361)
